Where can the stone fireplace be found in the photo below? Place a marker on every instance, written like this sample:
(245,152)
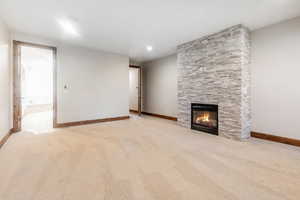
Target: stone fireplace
(214,70)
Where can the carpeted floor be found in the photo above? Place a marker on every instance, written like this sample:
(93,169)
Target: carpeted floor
(145,159)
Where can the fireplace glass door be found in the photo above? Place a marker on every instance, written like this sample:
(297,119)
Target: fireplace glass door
(205,118)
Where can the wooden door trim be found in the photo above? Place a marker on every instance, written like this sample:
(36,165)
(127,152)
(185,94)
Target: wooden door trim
(17,106)
(140,88)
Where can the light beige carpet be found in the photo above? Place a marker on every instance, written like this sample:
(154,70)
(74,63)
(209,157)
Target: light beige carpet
(145,159)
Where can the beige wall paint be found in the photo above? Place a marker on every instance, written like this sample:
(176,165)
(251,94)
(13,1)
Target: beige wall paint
(275,79)
(97,82)
(5,81)
(160,86)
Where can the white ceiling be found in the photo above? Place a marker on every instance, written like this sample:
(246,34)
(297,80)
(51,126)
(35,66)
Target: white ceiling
(128,26)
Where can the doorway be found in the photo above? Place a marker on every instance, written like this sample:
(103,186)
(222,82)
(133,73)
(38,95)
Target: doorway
(135,89)
(34,87)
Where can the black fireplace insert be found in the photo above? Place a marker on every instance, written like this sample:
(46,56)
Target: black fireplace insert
(204,117)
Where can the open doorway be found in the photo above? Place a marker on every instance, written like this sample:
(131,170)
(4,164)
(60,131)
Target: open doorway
(34,87)
(135,89)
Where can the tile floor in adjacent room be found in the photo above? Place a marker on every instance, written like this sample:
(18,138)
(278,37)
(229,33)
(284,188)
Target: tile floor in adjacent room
(38,119)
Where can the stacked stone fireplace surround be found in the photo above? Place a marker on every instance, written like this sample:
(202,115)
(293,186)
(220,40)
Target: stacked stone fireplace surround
(215,70)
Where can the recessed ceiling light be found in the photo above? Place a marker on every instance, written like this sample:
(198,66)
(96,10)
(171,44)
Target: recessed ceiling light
(149,48)
(68,27)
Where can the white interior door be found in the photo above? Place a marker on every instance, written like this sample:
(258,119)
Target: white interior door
(134,88)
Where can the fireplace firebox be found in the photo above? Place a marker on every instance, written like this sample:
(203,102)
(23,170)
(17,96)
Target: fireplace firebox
(204,117)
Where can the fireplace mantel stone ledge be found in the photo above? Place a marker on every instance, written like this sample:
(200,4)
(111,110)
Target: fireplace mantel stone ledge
(215,70)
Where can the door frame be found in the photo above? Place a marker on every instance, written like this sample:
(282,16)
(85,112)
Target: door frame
(140,88)
(17,105)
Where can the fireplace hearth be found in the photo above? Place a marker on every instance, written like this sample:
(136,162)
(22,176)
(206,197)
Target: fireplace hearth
(204,117)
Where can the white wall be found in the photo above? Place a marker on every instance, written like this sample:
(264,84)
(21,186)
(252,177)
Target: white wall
(98,82)
(160,86)
(98,85)
(5,81)
(275,79)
